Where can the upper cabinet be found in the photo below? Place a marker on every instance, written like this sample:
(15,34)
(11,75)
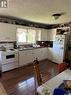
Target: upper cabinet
(48,34)
(7,32)
(43,34)
(51,33)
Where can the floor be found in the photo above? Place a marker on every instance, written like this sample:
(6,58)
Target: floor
(21,81)
(2,90)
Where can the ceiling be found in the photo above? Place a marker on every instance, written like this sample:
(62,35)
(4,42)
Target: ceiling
(39,10)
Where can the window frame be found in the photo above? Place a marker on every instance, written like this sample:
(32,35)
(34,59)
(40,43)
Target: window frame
(27,30)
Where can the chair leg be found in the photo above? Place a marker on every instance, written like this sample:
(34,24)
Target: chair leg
(35,82)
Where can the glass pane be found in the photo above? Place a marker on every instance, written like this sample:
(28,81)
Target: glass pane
(39,35)
(31,37)
(21,35)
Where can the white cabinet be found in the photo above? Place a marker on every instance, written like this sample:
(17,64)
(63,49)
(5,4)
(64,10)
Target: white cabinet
(51,33)
(40,53)
(37,54)
(43,34)
(7,32)
(25,57)
(28,56)
(50,53)
(44,53)
(22,58)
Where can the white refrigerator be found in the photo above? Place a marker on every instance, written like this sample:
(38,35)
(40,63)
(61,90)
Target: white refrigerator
(59,47)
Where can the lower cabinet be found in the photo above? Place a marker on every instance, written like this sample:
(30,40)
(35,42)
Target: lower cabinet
(40,53)
(44,53)
(25,57)
(22,58)
(50,54)
(37,54)
(28,56)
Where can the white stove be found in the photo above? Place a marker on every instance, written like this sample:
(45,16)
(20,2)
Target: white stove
(8,60)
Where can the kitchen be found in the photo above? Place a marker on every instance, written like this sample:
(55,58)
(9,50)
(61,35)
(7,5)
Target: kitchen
(26,53)
(21,40)
(8,39)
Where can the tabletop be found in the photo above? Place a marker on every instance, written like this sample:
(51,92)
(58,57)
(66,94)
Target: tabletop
(54,82)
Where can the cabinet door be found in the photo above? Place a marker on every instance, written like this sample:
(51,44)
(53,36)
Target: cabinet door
(40,53)
(50,53)
(44,34)
(44,53)
(22,58)
(25,57)
(37,54)
(51,33)
(7,32)
(29,56)
(11,33)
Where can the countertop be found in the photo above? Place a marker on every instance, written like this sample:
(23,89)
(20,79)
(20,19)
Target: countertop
(24,49)
(30,48)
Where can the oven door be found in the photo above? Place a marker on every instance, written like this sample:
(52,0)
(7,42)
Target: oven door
(7,57)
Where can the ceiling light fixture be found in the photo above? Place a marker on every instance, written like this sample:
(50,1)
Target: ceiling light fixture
(57,15)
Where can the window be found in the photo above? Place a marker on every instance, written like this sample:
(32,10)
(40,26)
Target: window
(39,35)
(31,36)
(27,36)
(21,35)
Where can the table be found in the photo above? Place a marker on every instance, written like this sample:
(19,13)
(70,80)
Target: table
(55,82)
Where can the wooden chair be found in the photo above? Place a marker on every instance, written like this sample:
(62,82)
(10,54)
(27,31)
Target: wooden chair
(37,73)
(39,78)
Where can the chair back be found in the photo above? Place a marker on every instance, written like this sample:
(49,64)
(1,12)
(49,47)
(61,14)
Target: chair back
(37,72)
